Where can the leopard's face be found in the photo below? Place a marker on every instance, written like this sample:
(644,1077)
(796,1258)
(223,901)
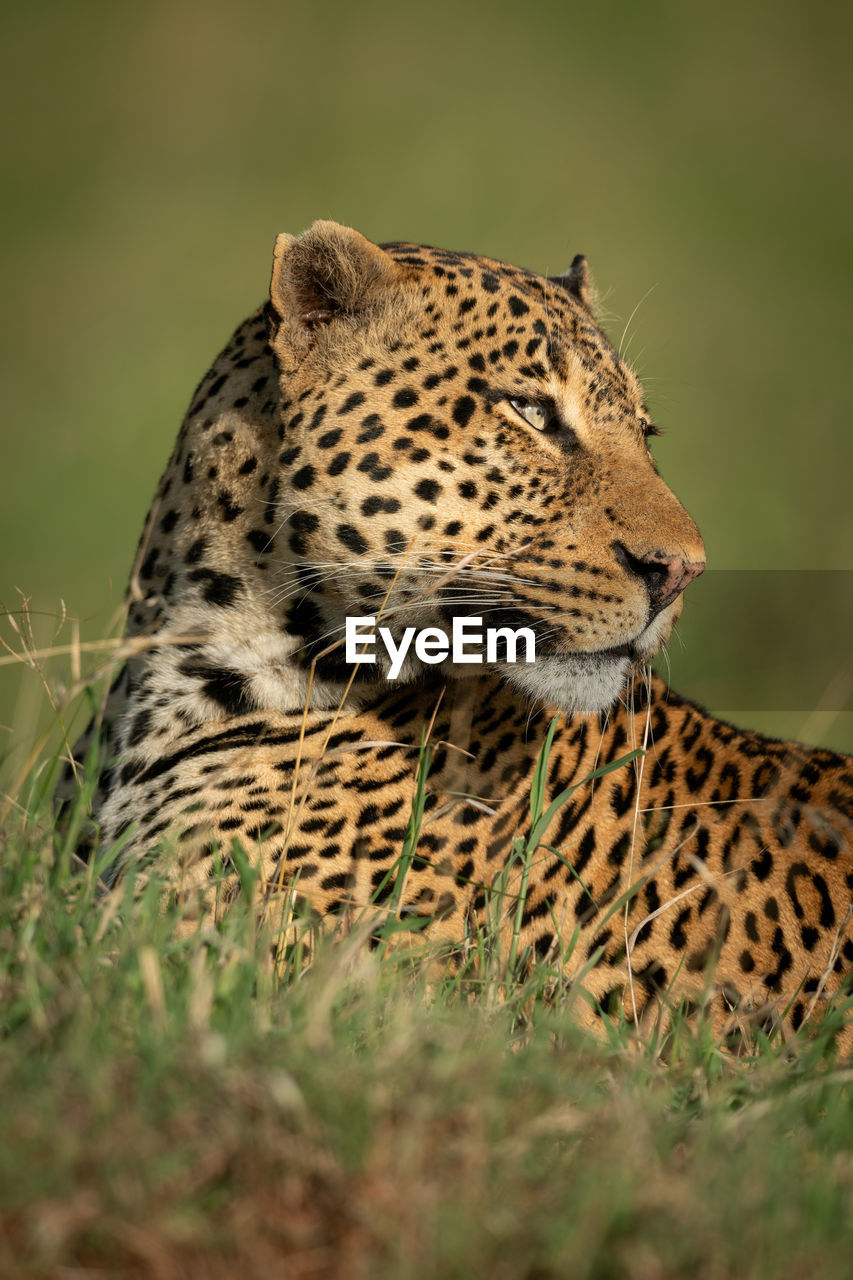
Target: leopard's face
(458,437)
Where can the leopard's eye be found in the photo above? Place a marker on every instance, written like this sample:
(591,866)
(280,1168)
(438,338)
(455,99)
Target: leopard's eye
(536,414)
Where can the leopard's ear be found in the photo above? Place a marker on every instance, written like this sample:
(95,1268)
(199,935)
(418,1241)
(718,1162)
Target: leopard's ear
(329,273)
(577,282)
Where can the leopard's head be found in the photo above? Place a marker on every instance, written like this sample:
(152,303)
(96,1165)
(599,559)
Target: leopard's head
(460,438)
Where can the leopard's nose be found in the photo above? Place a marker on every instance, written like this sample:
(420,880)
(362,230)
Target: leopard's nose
(665,576)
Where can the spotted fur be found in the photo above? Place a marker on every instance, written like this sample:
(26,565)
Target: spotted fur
(358,447)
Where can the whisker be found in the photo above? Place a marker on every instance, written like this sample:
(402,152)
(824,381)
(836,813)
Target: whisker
(620,348)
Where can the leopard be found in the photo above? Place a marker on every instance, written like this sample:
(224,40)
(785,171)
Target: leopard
(415,436)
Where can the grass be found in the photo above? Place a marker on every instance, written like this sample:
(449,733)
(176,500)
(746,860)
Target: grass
(177,1102)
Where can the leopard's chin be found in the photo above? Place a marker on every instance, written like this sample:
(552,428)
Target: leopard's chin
(577,683)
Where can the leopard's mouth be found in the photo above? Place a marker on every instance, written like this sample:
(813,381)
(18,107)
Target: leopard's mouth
(628,650)
(619,651)
(643,647)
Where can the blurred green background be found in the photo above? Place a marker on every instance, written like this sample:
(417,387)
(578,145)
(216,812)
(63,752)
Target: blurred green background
(699,155)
